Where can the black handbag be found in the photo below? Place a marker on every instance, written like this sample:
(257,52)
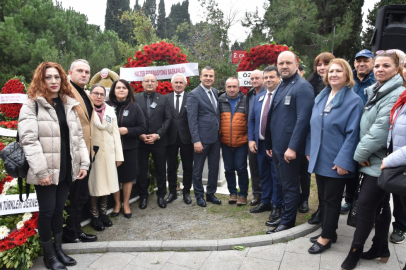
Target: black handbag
(393,180)
(352,214)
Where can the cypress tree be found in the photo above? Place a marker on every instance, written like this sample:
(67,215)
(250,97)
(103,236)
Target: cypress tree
(161,22)
(149,9)
(114,10)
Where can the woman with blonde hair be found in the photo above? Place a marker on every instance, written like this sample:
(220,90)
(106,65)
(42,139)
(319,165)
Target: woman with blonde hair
(52,139)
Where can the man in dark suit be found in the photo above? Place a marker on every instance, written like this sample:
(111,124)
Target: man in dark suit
(204,124)
(158,116)
(271,190)
(288,124)
(179,138)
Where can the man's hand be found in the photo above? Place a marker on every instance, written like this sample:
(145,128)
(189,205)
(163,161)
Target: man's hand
(198,147)
(143,137)
(123,130)
(253,146)
(340,170)
(82,174)
(269,153)
(289,155)
(151,138)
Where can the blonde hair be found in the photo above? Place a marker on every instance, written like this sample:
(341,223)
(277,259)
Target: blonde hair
(346,68)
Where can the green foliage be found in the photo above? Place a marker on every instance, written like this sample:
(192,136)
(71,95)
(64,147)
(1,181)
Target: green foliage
(21,257)
(179,14)
(161,21)
(36,31)
(371,20)
(114,10)
(144,32)
(149,9)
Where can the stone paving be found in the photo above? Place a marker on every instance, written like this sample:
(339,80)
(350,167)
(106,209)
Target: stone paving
(291,255)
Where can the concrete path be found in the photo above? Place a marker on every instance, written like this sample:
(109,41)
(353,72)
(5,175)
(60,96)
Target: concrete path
(291,255)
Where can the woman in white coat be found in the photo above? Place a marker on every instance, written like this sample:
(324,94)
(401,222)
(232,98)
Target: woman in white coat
(103,179)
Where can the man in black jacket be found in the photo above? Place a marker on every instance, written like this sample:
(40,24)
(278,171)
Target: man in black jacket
(157,114)
(179,138)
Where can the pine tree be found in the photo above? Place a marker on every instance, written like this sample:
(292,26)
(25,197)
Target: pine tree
(179,14)
(114,10)
(149,9)
(161,22)
(137,7)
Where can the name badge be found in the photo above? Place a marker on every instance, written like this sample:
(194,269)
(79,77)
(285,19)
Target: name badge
(125,113)
(108,118)
(261,98)
(153,105)
(287,100)
(328,107)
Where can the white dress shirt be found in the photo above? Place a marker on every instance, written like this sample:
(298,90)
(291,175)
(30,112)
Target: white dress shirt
(180,100)
(262,111)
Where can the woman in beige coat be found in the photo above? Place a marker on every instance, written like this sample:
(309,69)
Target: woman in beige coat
(52,139)
(103,179)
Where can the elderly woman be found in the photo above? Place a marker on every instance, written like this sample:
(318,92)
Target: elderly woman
(51,137)
(334,134)
(374,201)
(131,124)
(103,179)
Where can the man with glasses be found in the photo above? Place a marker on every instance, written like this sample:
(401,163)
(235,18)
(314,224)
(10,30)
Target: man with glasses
(158,115)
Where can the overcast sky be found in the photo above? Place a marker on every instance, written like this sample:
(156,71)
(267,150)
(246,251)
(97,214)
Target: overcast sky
(96,9)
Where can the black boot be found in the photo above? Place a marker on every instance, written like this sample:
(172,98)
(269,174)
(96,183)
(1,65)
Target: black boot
(352,259)
(50,259)
(378,250)
(62,257)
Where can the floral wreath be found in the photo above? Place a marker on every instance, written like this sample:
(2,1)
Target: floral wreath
(156,54)
(14,86)
(257,56)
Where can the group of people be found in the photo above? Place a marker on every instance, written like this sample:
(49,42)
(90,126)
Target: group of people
(338,125)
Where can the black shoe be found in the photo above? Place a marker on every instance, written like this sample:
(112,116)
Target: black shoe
(278,229)
(114,214)
(50,259)
(304,207)
(377,250)
(69,241)
(143,203)
(129,215)
(97,224)
(319,248)
(201,202)
(273,223)
(352,259)
(171,197)
(62,257)
(256,200)
(316,218)
(213,199)
(262,207)
(161,202)
(314,238)
(276,213)
(106,221)
(187,199)
(85,237)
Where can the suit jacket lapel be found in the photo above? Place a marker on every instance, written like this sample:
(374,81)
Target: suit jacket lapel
(182,107)
(156,99)
(283,94)
(204,96)
(79,98)
(142,103)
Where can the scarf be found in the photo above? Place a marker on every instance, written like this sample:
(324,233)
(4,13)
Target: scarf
(119,104)
(401,101)
(100,111)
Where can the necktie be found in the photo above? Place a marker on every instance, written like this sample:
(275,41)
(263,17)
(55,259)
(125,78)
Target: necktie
(148,105)
(212,101)
(265,114)
(177,104)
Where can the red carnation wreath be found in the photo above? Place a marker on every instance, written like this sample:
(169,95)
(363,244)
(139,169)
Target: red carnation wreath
(13,86)
(157,54)
(261,55)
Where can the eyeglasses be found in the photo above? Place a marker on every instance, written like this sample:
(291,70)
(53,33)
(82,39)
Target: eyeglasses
(98,94)
(385,51)
(399,54)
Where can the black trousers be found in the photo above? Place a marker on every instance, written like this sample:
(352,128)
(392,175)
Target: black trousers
(399,212)
(51,200)
(305,179)
(254,170)
(350,188)
(371,201)
(186,155)
(330,191)
(78,195)
(159,158)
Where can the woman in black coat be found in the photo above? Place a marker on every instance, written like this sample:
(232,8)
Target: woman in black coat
(131,123)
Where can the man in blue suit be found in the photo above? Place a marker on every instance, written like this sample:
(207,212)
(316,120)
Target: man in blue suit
(288,124)
(204,123)
(271,190)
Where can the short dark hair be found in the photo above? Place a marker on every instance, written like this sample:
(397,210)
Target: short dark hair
(207,68)
(272,68)
(300,67)
(112,94)
(97,85)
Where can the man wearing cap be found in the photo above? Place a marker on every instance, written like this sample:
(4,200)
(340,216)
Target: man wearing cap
(363,77)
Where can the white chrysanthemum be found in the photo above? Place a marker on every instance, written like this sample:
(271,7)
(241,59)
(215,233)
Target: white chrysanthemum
(7,185)
(27,216)
(4,232)
(20,224)
(14,182)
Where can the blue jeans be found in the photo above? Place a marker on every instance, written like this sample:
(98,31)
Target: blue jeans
(235,160)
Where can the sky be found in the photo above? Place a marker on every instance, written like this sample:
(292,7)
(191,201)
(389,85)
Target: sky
(96,9)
